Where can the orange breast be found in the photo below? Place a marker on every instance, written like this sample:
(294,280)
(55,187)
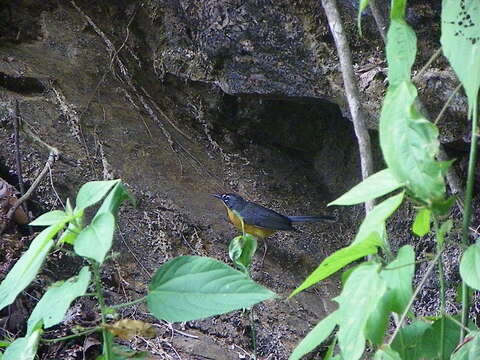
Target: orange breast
(256,231)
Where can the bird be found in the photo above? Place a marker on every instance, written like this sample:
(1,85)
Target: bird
(259,221)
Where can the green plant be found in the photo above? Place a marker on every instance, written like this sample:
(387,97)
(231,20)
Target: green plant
(173,295)
(377,290)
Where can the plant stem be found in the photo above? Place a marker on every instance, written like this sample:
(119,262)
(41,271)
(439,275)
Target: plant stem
(467,215)
(442,291)
(254,340)
(107,343)
(73,336)
(412,299)
(133,302)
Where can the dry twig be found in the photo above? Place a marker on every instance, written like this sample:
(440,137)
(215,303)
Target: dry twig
(351,89)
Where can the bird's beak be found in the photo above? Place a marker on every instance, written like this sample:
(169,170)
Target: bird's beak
(217,196)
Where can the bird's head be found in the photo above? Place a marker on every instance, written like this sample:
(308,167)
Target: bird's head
(231,201)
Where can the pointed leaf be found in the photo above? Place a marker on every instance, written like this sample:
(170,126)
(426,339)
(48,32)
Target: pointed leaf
(50,218)
(401,51)
(28,266)
(95,240)
(376,185)
(470,266)
(374,222)
(112,202)
(315,337)
(338,260)
(192,287)
(53,305)
(431,339)
(359,298)
(362,6)
(92,192)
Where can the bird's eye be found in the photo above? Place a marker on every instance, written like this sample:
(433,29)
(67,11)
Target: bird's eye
(226,198)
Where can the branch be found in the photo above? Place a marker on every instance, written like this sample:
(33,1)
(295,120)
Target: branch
(351,89)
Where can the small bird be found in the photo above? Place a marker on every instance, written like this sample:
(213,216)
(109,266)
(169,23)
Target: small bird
(258,220)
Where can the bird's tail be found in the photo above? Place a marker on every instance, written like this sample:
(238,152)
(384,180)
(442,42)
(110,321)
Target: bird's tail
(312,218)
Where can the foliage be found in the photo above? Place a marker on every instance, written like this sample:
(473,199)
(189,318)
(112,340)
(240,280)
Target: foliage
(185,288)
(380,289)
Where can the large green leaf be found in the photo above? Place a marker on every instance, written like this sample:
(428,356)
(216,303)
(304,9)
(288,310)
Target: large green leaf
(470,349)
(410,154)
(401,51)
(55,302)
(374,186)
(359,298)
(398,276)
(431,338)
(315,337)
(24,348)
(92,192)
(95,240)
(408,342)
(374,222)
(28,266)
(338,260)
(470,266)
(192,287)
(461,44)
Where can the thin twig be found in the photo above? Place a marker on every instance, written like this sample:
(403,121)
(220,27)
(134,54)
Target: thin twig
(412,299)
(434,57)
(447,103)
(351,90)
(379,19)
(51,159)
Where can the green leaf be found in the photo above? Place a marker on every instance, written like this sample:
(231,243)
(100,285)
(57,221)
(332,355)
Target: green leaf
(359,298)
(470,266)
(410,154)
(399,279)
(241,251)
(408,342)
(28,266)
(374,222)
(470,349)
(95,240)
(92,192)
(431,338)
(336,261)
(315,337)
(362,6)
(398,9)
(461,44)
(421,225)
(192,287)
(401,51)
(50,218)
(374,186)
(70,234)
(24,348)
(114,199)
(387,354)
(55,302)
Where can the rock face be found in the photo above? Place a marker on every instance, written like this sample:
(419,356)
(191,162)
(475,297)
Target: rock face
(186,98)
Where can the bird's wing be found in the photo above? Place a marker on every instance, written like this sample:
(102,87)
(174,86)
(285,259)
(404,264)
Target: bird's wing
(258,215)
